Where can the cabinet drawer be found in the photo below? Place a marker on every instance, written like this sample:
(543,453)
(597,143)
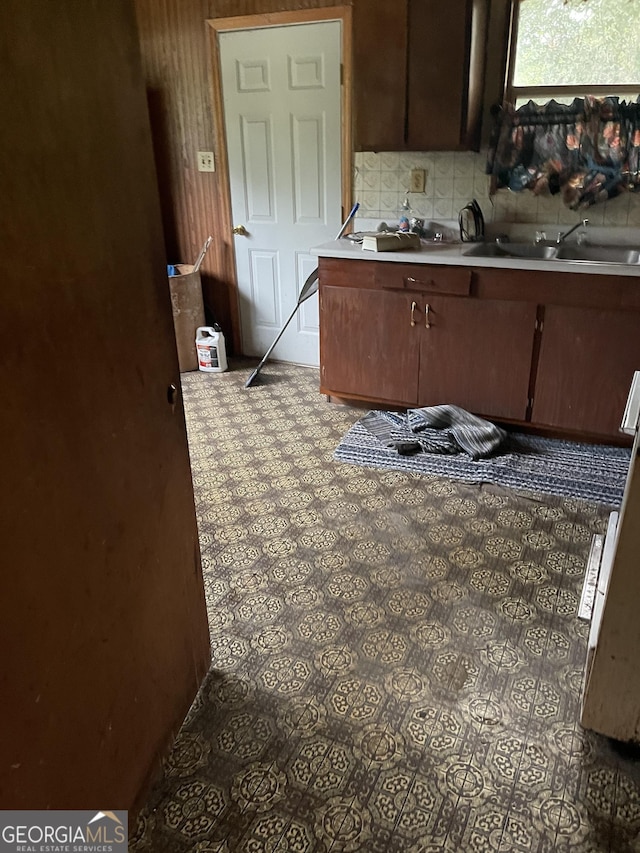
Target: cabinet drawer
(449,280)
(347,273)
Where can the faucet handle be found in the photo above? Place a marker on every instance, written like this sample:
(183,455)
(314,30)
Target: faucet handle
(540,236)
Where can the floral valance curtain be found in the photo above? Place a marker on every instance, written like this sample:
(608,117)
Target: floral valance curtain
(588,150)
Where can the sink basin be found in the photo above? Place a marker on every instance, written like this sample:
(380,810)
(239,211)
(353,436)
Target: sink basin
(546,252)
(536,251)
(599,254)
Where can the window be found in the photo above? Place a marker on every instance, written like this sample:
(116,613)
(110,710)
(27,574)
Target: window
(563,49)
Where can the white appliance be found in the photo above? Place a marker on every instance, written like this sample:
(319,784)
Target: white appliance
(611,695)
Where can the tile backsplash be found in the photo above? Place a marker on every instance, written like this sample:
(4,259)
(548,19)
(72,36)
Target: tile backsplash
(381,180)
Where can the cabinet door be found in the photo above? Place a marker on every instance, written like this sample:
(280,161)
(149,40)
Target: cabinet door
(476,353)
(587,360)
(445,74)
(102,592)
(368,347)
(426,94)
(379,74)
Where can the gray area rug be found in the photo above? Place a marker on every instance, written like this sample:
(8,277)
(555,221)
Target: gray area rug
(594,472)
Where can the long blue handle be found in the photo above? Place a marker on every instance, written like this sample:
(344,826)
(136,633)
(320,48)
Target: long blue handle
(348,220)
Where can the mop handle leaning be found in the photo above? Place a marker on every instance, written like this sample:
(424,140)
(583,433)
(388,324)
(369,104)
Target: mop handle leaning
(311,284)
(307,291)
(348,220)
(280,334)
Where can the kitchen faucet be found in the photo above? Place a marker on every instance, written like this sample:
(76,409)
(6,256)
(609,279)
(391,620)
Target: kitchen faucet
(562,237)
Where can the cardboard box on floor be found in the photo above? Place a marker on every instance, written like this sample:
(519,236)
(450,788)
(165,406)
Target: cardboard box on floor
(188,313)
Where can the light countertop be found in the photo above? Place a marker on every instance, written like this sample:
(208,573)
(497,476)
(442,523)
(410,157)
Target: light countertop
(453,254)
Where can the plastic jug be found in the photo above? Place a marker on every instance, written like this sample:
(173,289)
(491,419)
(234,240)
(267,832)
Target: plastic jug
(212,355)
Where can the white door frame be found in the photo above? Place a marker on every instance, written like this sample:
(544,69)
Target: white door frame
(274,19)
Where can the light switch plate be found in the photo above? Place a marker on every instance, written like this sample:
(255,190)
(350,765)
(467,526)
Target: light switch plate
(206,162)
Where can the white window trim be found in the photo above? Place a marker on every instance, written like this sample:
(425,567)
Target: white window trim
(541,94)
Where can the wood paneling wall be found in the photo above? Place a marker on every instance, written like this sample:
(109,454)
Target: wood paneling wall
(176,61)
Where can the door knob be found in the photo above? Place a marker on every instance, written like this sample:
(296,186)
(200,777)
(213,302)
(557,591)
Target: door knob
(241,231)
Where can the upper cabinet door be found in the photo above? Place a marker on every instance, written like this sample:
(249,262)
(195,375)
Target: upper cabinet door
(380,74)
(427,94)
(445,74)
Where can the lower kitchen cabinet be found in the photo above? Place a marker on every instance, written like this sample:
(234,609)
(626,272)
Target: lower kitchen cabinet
(553,350)
(476,353)
(402,341)
(366,350)
(587,360)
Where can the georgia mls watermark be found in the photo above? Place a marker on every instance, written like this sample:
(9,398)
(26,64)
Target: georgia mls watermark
(63,832)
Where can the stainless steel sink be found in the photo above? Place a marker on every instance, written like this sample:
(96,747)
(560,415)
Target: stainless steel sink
(544,251)
(512,250)
(599,254)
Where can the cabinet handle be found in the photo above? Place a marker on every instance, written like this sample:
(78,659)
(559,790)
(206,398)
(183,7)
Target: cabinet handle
(413,308)
(427,308)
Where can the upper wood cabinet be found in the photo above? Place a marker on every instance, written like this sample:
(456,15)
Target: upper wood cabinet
(418,74)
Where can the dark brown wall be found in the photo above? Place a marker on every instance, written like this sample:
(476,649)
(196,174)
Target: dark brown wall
(103,627)
(176,60)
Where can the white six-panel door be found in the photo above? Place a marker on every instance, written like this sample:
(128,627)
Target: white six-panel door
(281,90)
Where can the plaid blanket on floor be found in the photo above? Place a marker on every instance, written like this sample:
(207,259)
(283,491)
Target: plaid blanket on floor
(437,429)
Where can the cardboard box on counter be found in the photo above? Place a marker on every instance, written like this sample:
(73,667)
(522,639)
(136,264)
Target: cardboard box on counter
(391,241)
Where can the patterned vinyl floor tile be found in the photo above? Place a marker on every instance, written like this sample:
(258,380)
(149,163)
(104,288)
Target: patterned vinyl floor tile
(396,660)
